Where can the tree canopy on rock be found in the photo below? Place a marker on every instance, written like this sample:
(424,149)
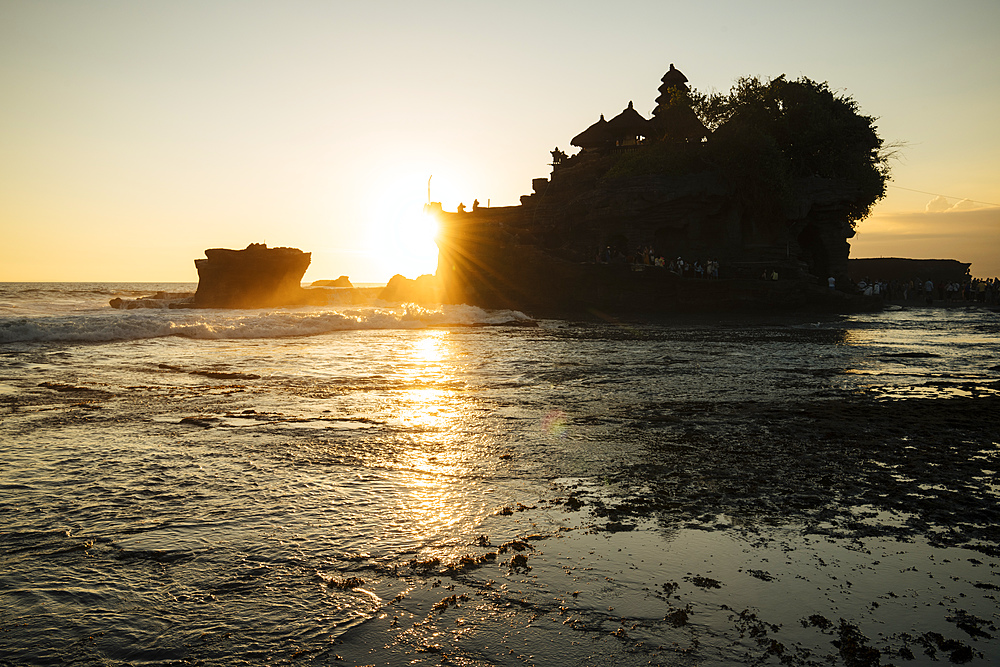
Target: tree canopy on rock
(802,128)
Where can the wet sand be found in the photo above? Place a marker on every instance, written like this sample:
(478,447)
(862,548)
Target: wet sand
(824,532)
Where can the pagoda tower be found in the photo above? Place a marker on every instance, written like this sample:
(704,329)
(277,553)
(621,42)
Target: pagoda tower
(673,118)
(673,83)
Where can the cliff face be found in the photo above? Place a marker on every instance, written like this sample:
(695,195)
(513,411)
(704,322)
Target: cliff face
(565,246)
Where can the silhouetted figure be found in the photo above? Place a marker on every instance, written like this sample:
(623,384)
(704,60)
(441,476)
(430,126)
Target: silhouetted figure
(461,207)
(475,204)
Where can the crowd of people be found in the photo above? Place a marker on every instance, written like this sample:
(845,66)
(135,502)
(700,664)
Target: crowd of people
(680,267)
(973,290)
(645,256)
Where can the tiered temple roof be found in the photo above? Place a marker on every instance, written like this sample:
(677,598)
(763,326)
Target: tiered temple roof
(673,80)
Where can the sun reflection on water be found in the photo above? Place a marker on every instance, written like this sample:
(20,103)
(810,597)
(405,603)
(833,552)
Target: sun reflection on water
(435,461)
(426,398)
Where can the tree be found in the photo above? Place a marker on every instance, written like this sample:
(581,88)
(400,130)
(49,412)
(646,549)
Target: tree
(794,129)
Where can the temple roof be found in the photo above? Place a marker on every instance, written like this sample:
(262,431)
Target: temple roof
(673,119)
(595,136)
(628,123)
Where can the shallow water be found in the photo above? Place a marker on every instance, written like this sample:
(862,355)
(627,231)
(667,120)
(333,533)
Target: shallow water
(300,486)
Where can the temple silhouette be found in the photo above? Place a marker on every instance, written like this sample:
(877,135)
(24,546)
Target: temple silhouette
(603,230)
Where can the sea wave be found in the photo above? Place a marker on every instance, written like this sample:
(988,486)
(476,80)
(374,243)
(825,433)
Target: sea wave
(243,324)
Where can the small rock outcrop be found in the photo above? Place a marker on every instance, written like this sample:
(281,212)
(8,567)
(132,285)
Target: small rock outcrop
(159,300)
(425,290)
(342,281)
(255,277)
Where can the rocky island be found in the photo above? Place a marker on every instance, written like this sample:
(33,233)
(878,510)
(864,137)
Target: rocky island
(255,277)
(715,202)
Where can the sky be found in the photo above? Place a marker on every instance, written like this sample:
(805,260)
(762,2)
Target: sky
(134,135)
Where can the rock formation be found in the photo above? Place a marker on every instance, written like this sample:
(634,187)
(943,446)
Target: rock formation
(549,253)
(662,190)
(159,300)
(255,277)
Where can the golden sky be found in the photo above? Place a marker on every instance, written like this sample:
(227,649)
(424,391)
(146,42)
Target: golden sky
(134,135)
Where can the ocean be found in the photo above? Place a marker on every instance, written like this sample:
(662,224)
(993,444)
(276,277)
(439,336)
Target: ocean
(400,485)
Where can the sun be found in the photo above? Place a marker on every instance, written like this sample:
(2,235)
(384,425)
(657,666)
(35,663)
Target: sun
(418,227)
(414,241)
(400,236)
(403,239)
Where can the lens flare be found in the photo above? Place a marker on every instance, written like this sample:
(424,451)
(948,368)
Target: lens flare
(554,424)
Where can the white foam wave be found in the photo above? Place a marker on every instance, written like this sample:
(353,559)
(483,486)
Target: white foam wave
(115,325)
